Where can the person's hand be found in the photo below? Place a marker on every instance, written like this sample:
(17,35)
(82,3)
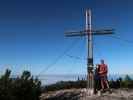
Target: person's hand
(100,72)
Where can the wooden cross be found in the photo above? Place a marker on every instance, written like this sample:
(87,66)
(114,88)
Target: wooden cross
(89,33)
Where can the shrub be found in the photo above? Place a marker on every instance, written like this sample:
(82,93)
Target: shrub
(24,87)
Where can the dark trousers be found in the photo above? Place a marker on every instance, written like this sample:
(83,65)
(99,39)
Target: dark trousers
(97,85)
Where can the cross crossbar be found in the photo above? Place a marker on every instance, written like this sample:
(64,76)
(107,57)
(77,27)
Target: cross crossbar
(94,32)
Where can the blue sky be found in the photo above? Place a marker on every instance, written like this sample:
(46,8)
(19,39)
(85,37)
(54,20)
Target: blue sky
(32,35)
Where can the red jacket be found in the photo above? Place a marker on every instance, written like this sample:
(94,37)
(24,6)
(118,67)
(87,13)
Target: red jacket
(103,69)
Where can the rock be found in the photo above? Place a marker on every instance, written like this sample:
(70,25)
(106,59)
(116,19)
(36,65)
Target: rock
(80,94)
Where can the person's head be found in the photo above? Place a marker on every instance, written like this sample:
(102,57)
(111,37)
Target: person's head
(102,61)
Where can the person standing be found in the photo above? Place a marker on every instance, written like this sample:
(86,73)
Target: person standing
(103,71)
(97,84)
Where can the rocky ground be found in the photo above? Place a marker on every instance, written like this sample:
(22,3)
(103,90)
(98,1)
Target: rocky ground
(80,94)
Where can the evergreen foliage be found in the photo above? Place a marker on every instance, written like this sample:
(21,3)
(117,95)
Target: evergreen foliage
(24,87)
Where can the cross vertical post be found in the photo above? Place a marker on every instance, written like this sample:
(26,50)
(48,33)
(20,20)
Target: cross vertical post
(90,76)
